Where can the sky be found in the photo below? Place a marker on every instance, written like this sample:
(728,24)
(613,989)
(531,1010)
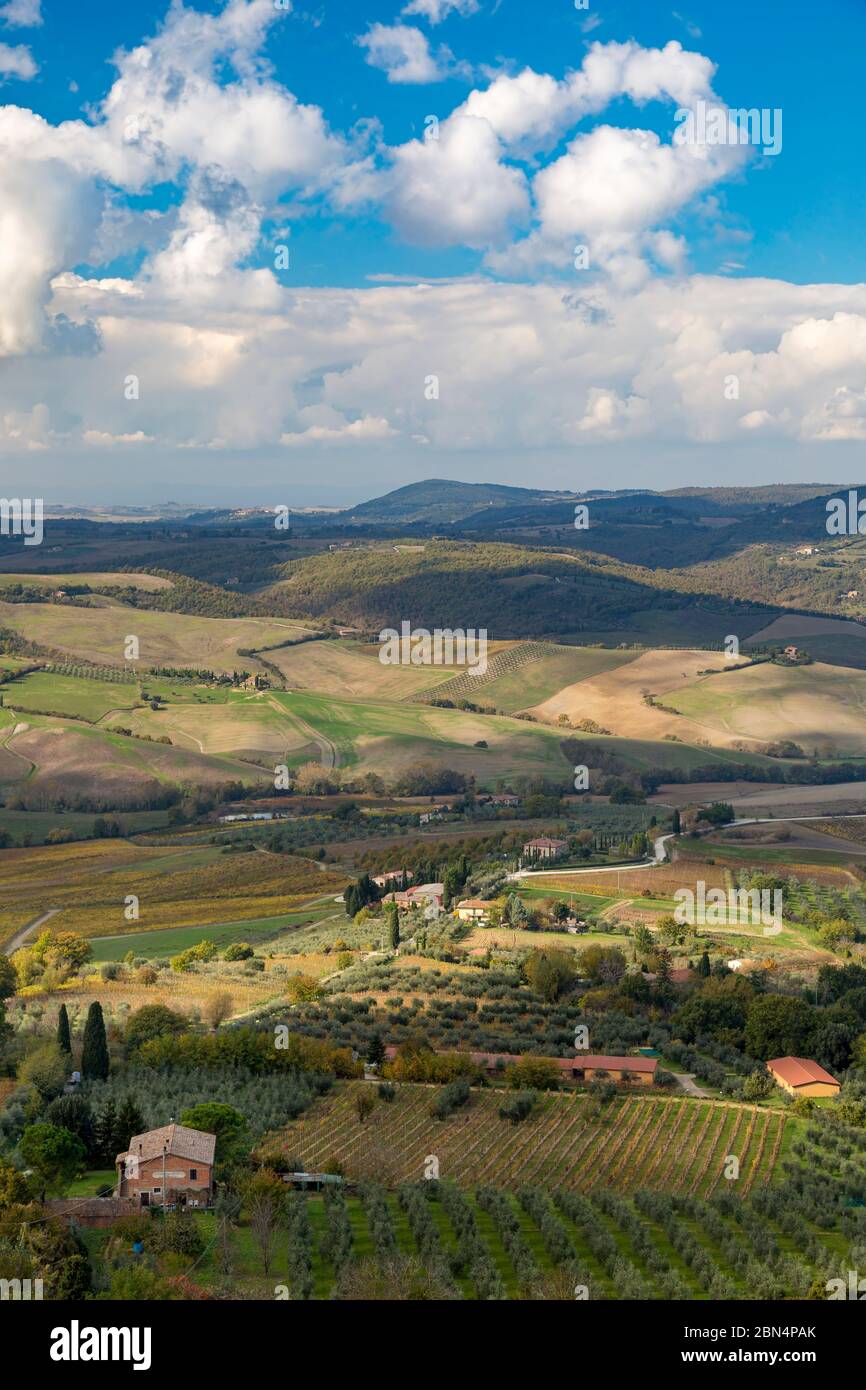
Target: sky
(271,251)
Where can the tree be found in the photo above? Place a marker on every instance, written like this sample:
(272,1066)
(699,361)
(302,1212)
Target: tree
(94,1056)
(8,978)
(107,1138)
(215,1117)
(218,1008)
(13,1185)
(152,1021)
(75,1114)
(364,1104)
(55,1155)
(376,1050)
(46,1068)
(130,1121)
(675,822)
(704,965)
(778,1025)
(548,972)
(393,926)
(265,1202)
(533,1074)
(64,1038)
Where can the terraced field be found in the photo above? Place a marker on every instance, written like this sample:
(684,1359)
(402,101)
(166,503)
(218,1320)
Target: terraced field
(638,1142)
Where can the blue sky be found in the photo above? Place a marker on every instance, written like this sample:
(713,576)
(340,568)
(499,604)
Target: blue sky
(154,257)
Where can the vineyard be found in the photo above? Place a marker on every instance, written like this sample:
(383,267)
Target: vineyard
(568,1143)
(500,664)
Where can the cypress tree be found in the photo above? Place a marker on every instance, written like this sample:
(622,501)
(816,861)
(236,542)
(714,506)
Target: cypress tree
(393,926)
(704,965)
(64,1038)
(94,1056)
(107,1131)
(129,1121)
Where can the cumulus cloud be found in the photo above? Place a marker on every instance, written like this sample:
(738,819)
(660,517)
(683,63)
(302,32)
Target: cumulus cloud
(21,14)
(228,358)
(195,105)
(17,61)
(404,53)
(434,11)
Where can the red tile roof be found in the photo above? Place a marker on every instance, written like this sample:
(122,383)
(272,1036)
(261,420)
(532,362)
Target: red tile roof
(800,1071)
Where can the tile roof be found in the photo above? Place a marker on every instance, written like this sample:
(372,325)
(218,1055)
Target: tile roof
(800,1071)
(176,1140)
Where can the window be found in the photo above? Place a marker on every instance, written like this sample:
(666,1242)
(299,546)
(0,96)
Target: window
(193,1174)
(156,1189)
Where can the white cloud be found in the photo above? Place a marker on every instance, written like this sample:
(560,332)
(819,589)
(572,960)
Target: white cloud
(455,189)
(104,440)
(21,14)
(404,53)
(170,116)
(434,11)
(364,431)
(17,61)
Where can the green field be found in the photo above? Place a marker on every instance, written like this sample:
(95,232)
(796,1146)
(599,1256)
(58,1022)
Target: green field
(161,944)
(37,824)
(75,696)
(821,708)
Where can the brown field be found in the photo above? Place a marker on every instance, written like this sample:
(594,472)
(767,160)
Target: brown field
(354,668)
(84,758)
(614,699)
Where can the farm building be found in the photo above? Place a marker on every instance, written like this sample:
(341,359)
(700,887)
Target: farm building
(474,910)
(418,896)
(585,1066)
(800,1076)
(170,1166)
(544,848)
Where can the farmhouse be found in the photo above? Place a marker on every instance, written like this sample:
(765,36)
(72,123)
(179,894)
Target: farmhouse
(544,848)
(474,910)
(505,799)
(584,1066)
(170,1166)
(799,1076)
(588,1066)
(421,894)
(388,877)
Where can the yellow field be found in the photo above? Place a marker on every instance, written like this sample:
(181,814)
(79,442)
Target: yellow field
(353,668)
(89,882)
(165,639)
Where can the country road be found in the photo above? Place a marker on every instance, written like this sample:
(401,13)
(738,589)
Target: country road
(21,936)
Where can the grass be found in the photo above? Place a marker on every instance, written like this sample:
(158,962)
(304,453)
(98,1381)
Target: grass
(89,1183)
(77,697)
(155,944)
